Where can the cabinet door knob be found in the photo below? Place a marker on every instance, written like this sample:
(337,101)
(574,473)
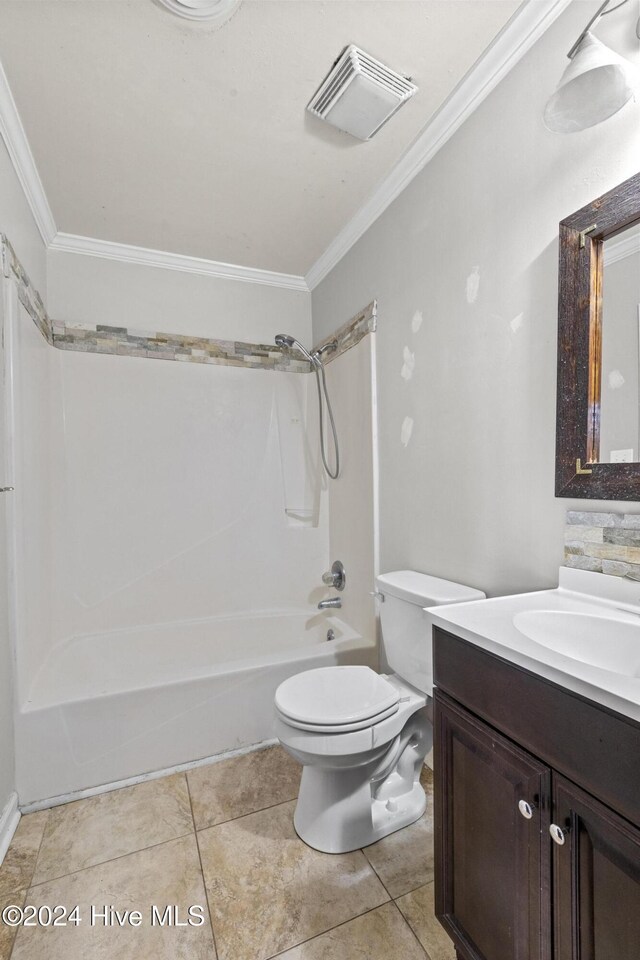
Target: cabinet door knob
(526,809)
(558,834)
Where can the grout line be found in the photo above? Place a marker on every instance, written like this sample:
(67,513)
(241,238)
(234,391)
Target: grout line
(37,856)
(31,876)
(204,882)
(13,942)
(317,936)
(269,806)
(413,890)
(415,935)
(92,866)
(384,886)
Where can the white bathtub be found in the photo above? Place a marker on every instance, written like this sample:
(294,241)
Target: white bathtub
(107,707)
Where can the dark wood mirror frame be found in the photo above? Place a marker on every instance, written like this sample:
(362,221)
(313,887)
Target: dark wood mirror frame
(582,235)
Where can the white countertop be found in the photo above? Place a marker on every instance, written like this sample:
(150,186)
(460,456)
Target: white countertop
(489,624)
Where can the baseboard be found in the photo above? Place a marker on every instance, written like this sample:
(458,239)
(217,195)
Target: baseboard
(9,820)
(142,778)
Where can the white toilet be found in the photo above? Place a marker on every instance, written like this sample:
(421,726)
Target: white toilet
(362,737)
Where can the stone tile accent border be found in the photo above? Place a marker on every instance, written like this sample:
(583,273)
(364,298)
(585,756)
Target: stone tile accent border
(27,293)
(352,332)
(126,342)
(603,543)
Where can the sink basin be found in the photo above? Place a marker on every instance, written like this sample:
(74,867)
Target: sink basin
(606,642)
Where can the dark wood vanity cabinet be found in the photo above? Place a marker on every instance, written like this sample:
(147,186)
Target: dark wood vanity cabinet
(493,876)
(508,765)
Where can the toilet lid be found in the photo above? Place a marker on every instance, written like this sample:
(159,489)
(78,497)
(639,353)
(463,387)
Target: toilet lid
(335,696)
(340,727)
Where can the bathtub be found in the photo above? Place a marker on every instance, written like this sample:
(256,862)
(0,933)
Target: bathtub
(111,706)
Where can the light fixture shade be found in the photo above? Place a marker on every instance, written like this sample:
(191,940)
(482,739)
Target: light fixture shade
(595,85)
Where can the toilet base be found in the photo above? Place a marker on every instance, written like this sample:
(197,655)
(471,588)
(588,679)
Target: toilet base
(335,835)
(341,809)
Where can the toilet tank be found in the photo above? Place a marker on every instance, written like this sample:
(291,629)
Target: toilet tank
(406,631)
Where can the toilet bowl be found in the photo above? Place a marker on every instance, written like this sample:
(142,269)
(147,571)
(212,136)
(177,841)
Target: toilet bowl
(362,737)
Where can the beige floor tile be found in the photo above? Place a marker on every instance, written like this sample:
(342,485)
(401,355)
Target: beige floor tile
(404,860)
(8,933)
(20,860)
(426,779)
(417,907)
(381,934)
(86,832)
(166,874)
(268,891)
(241,785)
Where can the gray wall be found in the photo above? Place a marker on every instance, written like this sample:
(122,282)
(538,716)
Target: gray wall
(471,248)
(18,224)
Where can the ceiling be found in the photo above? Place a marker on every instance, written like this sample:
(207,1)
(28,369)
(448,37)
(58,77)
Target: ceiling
(162,133)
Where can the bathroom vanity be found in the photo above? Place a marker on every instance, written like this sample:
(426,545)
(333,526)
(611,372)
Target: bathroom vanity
(537,788)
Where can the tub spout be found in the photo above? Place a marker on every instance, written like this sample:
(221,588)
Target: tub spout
(331,603)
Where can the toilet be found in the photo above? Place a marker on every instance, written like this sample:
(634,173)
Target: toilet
(362,737)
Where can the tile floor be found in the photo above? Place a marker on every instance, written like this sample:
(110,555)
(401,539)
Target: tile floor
(220,837)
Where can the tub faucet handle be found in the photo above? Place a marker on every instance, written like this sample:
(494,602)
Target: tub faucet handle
(336,577)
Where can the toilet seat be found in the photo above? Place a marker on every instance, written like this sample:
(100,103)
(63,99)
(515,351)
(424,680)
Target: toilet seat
(336,699)
(333,743)
(339,727)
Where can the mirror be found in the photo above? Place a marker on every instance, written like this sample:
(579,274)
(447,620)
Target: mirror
(620,376)
(598,406)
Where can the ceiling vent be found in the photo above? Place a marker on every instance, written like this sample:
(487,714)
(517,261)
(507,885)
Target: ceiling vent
(360,94)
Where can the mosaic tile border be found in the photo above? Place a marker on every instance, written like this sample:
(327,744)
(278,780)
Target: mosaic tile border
(27,293)
(603,543)
(127,342)
(352,332)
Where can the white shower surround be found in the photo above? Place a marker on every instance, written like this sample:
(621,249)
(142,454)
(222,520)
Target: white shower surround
(109,707)
(161,590)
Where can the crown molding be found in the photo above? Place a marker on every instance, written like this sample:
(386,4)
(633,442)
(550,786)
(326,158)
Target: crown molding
(516,38)
(526,26)
(19,150)
(108,250)
(620,248)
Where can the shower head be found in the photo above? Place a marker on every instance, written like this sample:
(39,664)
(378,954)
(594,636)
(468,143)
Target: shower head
(284,340)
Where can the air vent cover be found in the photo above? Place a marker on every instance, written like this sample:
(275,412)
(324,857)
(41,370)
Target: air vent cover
(360,94)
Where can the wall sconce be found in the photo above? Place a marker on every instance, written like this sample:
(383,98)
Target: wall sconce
(596,84)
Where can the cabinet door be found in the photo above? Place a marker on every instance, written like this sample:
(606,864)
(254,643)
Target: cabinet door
(597,879)
(492,863)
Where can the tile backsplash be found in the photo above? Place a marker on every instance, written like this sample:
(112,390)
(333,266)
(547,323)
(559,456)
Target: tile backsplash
(603,542)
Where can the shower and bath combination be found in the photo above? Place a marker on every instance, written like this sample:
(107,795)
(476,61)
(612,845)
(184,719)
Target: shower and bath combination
(315,359)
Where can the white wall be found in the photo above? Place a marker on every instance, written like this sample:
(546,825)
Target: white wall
(83,289)
(18,225)
(34,500)
(353,529)
(470,248)
(168,485)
